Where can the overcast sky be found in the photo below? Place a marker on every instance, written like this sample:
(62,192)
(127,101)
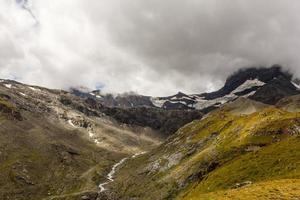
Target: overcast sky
(153,47)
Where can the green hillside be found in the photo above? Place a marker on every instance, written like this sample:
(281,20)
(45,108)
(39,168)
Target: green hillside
(226,150)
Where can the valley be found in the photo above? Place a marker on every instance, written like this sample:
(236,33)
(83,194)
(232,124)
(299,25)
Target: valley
(242,140)
(52,151)
(149,100)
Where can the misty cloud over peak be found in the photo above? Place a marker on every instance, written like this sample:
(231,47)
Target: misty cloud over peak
(149,47)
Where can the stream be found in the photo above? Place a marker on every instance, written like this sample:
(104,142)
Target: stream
(110,175)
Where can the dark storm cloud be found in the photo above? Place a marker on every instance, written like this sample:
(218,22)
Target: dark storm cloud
(152,47)
(208,37)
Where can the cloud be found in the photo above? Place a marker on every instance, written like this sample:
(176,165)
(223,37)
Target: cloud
(150,47)
(25,5)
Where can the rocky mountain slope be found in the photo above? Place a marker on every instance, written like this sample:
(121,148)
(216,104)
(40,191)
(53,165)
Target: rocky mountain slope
(233,152)
(166,122)
(50,149)
(241,141)
(267,85)
(78,138)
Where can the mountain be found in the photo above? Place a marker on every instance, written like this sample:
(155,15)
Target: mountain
(127,100)
(266,85)
(164,121)
(233,153)
(55,144)
(240,142)
(291,103)
(48,148)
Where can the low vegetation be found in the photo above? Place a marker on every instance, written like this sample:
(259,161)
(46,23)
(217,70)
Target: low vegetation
(39,158)
(222,152)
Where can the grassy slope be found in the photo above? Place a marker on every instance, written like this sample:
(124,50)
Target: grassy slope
(276,133)
(39,158)
(278,189)
(279,161)
(216,153)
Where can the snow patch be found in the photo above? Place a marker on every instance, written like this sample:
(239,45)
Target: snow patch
(184,97)
(178,101)
(229,97)
(296,85)
(71,123)
(250,94)
(201,104)
(8,86)
(21,93)
(158,102)
(34,89)
(138,154)
(248,85)
(188,98)
(91,134)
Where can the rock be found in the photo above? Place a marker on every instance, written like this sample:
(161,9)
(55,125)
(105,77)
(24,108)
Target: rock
(252,148)
(243,184)
(172,160)
(89,196)
(153,167)
(10,110)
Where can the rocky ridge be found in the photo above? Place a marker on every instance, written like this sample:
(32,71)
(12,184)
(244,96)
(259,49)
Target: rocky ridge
(267,85)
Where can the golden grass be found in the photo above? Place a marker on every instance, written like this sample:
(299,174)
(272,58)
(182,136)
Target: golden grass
(287,189)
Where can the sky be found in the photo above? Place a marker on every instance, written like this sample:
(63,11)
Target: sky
(150,47)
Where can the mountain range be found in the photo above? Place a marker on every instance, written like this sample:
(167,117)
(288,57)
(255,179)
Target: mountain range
(267,85)
(240,142)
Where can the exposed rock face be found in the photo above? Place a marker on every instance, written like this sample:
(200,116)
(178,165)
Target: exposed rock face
(9,110)
(275,90)
(128,100)
(262,74)
(291,103)
(267,85)
(166,122)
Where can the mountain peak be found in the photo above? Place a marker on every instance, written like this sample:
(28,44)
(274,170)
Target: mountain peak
(264,84)
(263,74)
(180,94)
